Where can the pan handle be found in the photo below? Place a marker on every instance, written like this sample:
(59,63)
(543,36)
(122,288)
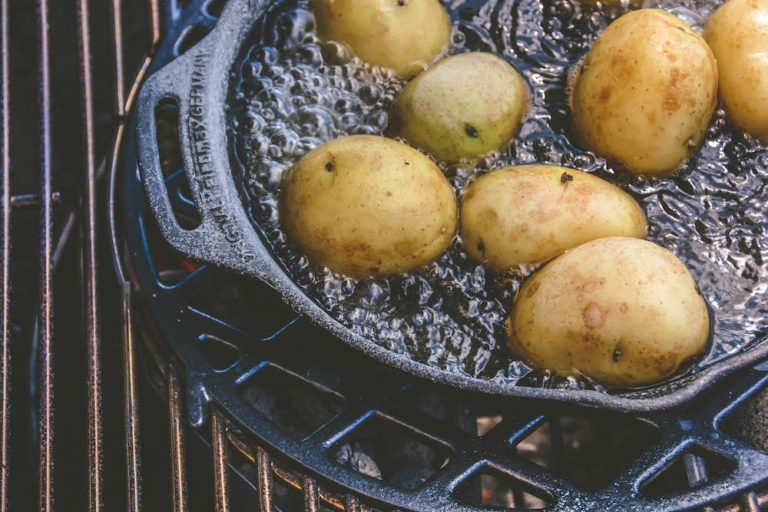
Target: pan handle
(158,90)
(198,83)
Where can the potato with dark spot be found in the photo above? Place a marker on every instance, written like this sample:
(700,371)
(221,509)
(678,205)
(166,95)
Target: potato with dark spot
(645,93)
(367,206)
(738,36)
(403,35)
(623,311)
(465,106)
(532,213)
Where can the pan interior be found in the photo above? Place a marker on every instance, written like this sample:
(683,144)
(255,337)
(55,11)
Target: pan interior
(291,93)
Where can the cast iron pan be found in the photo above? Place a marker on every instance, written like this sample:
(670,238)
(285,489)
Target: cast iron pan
(199,81)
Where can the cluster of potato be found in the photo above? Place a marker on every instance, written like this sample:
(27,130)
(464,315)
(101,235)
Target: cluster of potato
(609,304)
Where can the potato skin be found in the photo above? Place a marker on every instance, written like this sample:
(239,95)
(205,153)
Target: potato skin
(623,311)
(465,106)
(738,36)
(368,206)
(645,92)
(531,213)
(403,35)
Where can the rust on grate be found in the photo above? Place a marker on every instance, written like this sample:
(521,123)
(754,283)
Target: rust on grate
(178,470)
(90,270)
(131,403)
(131,406)
(311,500)
(45,379)
(5,211)
(220,462)
(264,467)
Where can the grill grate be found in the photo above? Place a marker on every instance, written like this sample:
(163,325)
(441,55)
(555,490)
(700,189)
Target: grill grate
(228,439)
(5,212)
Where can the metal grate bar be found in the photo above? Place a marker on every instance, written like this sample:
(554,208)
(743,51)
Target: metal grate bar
(5,211)
(90,269)
(124,103)
(352,504)
(220,462)
(750,502)
(265,480)
(762,501)
(311,500)
(117,33)
(178,471)
(695,470)
(132,440)
(131,402)
(154,16)
(154,13)
(45,414)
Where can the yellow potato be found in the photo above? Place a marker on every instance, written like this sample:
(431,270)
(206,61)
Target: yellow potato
(623,311)
(368,206)
(403,35)
(738,36)
(645,92)
(531,213)
(465,106)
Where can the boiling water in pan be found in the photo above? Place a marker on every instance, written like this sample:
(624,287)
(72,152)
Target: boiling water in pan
(291,94)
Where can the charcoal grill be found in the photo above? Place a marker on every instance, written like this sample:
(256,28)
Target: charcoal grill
(226,393)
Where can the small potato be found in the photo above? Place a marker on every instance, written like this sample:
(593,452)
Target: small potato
(465,106)
(531,213)
(403,35)
(738,36)
(623,311)
(368,206)
(645,92)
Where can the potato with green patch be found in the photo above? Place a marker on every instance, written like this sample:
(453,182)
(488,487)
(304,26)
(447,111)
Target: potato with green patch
(368,206)
(623,311)
(463,107)
(403,35)
(645,93)
(738,36)
(532,213)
